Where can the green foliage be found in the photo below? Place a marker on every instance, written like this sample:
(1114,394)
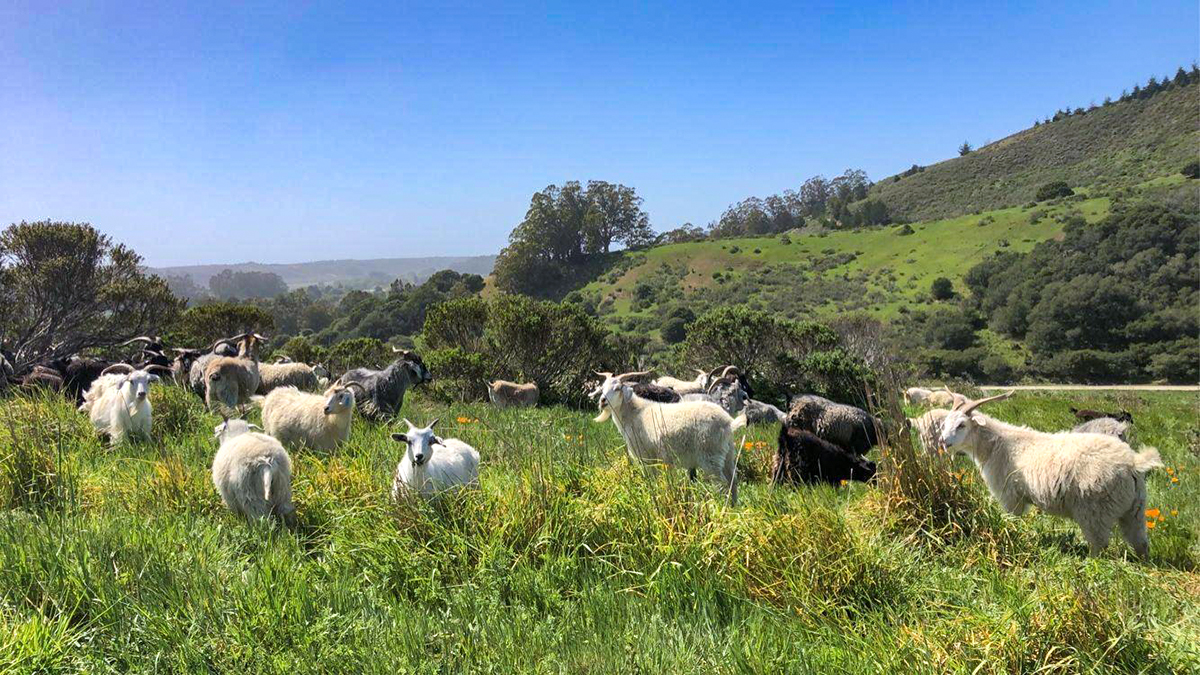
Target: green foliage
(941,289)
(1191,170)
(302,349)
(462,376)
(203,325)
(1124,287)
(521,339)
(231,285)
(949,328)
(964,149)
(779,357)
(1054,190)
(65,288)
(358,353)
(565,226)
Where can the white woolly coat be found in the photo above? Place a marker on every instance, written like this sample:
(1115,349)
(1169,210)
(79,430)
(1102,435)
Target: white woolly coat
(1095,479)
(271,376)
(253,474)
(298,419)
(452,464)
(115,411)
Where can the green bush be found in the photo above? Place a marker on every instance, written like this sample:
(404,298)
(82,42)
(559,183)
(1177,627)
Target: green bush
(942,289)
(1191,170)
(461,376)
(1054,190)
(358,353)
(201,326)
(303,350)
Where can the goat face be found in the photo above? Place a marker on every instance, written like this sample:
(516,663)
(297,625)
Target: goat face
(338,400)
(420,442)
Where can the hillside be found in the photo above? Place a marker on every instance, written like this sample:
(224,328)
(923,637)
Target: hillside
(800,275)
(380,271)
(1113,146)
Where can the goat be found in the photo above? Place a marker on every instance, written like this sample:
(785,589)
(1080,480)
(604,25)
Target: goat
(78,373)
(505,394)
(318,421)
(230,347)
(118,403)
(384,389)
(689,434)
(427,472)
(758,412)
(1104,425)
(655,392)
(1095,479)
(253,473)
(917,395)
(1088,415)
(286,374)
(845,425)
(805,457)
(232,381)
(929,428)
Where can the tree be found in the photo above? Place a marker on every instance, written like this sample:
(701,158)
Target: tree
(814,193)
(230,285)
(965,148)
(1054,190)
(185,287)
(65,287)
(614,214)
(204,324)
(942,289)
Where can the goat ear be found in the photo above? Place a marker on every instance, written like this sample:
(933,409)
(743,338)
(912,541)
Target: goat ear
(402,438)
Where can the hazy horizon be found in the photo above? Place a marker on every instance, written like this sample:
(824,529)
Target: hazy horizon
(322,132)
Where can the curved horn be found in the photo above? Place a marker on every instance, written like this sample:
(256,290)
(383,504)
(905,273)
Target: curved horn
(157,368)
(350,385)
(719,381)
(702,372)
(223,341)
(141,338)
(735,369)
(635,376)
(967,410)
(604,375)
(118,368)
(434,422)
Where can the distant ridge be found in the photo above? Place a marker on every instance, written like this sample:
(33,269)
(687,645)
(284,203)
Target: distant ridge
(378,271)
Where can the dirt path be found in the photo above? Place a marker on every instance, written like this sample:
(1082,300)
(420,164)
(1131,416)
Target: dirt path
(1094,387)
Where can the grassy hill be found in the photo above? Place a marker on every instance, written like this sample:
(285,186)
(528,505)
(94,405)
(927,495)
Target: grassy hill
(1118,145)
(802,275)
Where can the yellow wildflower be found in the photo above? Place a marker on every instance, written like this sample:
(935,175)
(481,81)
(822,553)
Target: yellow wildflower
(463,420)
(1150,524)
(1174,479)
(1174,512)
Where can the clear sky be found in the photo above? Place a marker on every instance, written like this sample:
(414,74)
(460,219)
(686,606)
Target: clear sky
(225,132)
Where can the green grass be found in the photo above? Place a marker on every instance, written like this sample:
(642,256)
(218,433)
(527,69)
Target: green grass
(897,269)
(567,560)
(1111,147)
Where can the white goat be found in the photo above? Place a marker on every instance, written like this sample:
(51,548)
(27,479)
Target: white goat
(1095,479)
(118,402)
(929,428)
(424,472)
(917,395)
(300,419)
(1104,425)
(689,434)
(272,376)
(253,473)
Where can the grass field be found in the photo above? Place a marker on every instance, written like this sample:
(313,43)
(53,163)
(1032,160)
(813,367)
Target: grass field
(569,560)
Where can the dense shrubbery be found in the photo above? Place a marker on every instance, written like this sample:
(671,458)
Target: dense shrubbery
(1112,301)
(780,357)
(1054,190)
(203,325)
(517,338)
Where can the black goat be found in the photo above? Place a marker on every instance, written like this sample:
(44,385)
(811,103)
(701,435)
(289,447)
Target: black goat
(384,389)
(654,392)
(844,425)
(1088,415)
(78,373)
(803,457)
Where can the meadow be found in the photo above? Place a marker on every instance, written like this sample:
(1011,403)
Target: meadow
(568,559)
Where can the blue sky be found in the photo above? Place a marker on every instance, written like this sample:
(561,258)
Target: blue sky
(223,132)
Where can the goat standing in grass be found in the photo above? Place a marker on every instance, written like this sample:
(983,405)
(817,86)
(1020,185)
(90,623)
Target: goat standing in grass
(1095,479)
(432,464)
(118,402)
(253,473)
(690,434)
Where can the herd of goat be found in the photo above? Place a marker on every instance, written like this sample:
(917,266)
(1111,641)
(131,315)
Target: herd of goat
(1089,474)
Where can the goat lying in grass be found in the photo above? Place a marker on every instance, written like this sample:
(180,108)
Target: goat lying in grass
(1095,479)
(432,464)
(805,457)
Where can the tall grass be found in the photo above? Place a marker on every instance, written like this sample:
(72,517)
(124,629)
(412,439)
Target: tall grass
(568,559)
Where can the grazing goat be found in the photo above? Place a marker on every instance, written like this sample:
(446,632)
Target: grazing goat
(845,425)
(1088,415)
(118,402)
(917,395)
(318,421)
(384,389)
(227,347)
(943,398)
(804,457)
(929,428)
(689,434)
(655,392)
(42,377)
(78,373)
(231,381)
(1104,425)
(253,473)
(758,412)
(1095,479)
(505,394)
(272,376)
(432,465)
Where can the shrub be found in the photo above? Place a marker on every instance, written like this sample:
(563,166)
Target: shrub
(461,376)
(941,289)
(905,230)
(302,349)
(358,353)
(674,330)
(1054,190)
(1192,170)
